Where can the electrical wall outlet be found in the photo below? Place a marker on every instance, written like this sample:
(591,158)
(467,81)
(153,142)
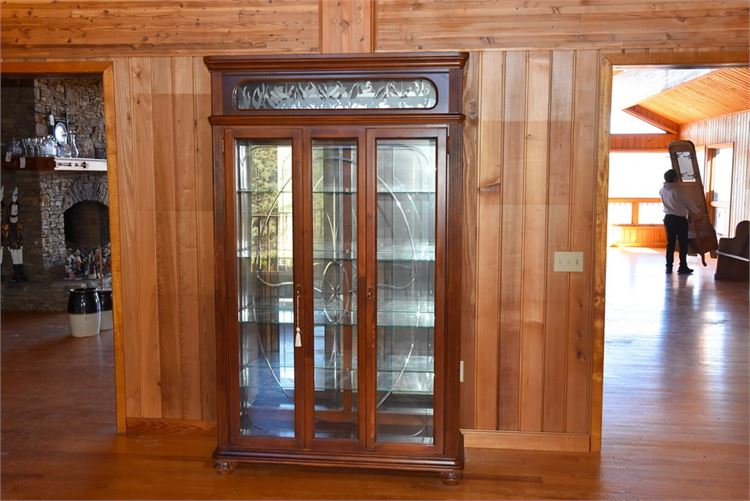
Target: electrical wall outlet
(568,261)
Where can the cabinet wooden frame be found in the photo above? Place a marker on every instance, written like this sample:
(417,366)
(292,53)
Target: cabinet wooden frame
(363,127)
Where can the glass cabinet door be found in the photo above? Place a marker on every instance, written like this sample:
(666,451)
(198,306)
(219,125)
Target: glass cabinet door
(405,236)
(279,311)
(334,271)
(265,278)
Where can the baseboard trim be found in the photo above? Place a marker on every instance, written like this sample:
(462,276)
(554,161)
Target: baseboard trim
(171,426)
(528,441)
(473,439)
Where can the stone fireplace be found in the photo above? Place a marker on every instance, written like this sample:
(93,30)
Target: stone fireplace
(46,198)
(61,193)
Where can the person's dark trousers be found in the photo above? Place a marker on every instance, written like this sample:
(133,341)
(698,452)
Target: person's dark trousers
(677,229)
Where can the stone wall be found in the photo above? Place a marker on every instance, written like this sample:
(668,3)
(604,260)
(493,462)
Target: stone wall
(17,102)
(81,100)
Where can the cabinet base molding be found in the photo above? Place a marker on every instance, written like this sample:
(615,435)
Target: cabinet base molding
(530,441)
(174,426)
(450,469)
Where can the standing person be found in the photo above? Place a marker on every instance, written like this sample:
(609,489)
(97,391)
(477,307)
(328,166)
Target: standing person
(677,207)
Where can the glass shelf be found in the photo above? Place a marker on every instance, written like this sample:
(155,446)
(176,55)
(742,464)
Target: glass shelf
(408,191)
(412,376)
(397,252)
(391,313)
(353,191)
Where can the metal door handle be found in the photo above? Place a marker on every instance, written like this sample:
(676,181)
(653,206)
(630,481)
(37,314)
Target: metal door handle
(297,330)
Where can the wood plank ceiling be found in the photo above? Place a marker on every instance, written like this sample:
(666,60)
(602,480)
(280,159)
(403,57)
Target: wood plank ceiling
(721,92)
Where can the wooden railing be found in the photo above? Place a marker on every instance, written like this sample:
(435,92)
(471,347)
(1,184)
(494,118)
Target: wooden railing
(636,222)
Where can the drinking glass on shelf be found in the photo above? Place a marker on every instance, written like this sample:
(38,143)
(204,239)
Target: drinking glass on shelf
(38,147)
(49,146)
(16,148)
(63,150)
(28,147)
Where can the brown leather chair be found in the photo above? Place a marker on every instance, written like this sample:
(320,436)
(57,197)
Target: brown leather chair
(734,255)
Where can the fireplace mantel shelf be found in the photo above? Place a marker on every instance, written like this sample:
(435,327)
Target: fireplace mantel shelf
(32,163)
(49,164)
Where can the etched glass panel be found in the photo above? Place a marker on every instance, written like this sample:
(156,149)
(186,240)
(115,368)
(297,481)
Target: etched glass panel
(265,274)
(418,93)
(334,229)
(406,209)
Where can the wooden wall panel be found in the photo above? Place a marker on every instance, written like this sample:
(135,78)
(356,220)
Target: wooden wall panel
(128,236)
(490,153)
(547,141)
(511,239)
(184,125)
(167,246)
(167,227)
(558,237)
(469,279)
(536,172)
(346,26)
(205,237)
(572,24)
(88,28)
(734,128)
(583,178)
(146,306)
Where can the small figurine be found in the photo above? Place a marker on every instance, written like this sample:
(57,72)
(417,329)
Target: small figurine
(70,265)
(12,237)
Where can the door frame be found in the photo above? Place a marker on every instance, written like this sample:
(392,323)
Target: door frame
(607,62)
(106,70)
(708,182)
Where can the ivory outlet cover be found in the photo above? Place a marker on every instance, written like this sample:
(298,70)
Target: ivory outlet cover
(568,261)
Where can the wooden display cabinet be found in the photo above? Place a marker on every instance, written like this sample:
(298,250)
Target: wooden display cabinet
(338,240)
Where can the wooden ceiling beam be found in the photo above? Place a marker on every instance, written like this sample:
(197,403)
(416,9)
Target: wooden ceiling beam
(654,119)
(640,142)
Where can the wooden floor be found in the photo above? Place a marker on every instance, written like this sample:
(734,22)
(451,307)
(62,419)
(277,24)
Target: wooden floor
(675,415)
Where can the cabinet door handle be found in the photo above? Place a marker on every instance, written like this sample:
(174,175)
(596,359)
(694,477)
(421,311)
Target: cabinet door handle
(370,293)
(297,319)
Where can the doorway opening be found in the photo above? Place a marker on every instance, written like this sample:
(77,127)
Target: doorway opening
(59,164)
(630,258)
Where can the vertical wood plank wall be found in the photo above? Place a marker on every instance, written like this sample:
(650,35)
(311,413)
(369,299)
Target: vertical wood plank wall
(734,128)
(164,144)
(536,160)
(531,164)
(346,26)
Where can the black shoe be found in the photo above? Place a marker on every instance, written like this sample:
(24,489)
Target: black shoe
(669,268)
(19,275)
(684,270)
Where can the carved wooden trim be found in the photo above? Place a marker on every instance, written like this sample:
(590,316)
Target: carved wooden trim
(327,62)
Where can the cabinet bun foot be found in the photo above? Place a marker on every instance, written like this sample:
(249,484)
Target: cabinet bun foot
(224,467)
(452,477)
